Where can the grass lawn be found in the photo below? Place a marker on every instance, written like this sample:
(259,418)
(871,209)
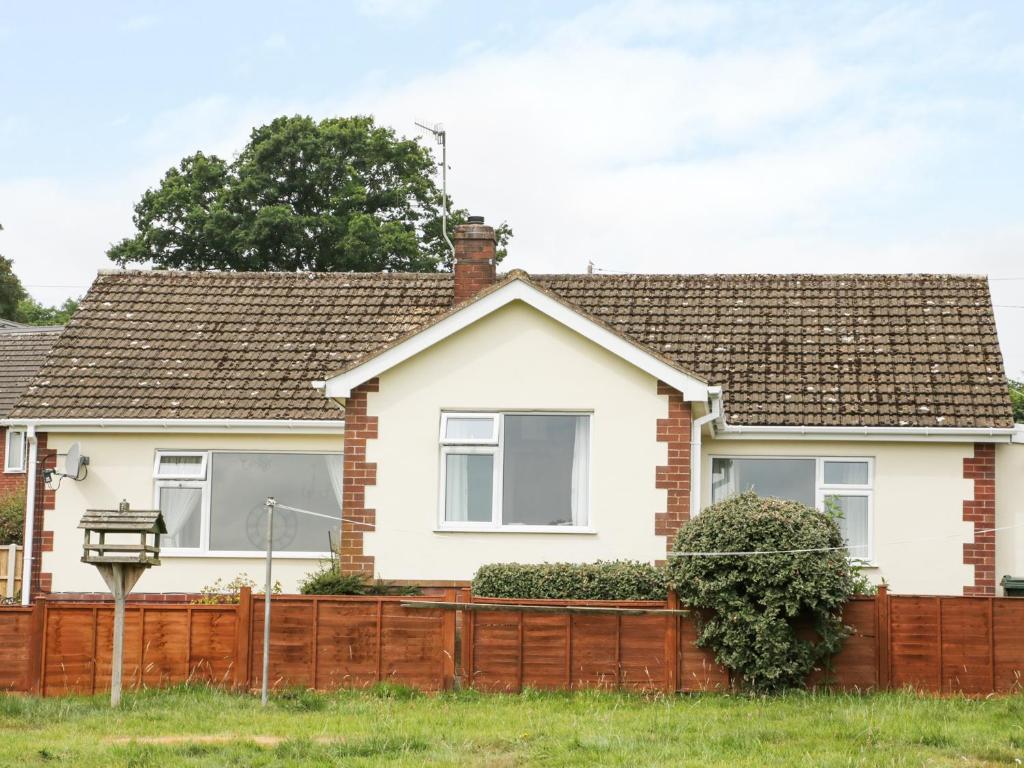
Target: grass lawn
(194,726)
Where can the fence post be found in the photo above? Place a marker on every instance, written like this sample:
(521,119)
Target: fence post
(467,640)
(36,656)
(672,643)
(243,639)
(448,642)
(882,656)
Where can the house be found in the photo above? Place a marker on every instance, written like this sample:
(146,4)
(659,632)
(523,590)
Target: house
(22,351)
(460,419)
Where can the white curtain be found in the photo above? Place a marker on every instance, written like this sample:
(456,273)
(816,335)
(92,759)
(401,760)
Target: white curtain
(334,473)
(580,461)
(456,488)
(846,473)
(178,505)
(854,523)
(723,480)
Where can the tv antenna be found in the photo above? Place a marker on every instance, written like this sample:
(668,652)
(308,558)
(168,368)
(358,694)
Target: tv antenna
(440,135)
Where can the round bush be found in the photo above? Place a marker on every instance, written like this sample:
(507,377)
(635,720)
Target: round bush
(753,606)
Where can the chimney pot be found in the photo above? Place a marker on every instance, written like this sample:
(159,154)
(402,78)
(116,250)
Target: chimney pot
(475,268)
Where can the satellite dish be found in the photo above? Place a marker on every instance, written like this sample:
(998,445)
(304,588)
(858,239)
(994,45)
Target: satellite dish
(74,461)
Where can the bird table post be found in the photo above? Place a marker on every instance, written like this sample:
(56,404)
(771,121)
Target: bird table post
(121,562)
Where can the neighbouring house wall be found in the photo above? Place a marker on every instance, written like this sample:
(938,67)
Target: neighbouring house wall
(516,358)
(121,467)
(9,481)
(1009,511)
(919,493)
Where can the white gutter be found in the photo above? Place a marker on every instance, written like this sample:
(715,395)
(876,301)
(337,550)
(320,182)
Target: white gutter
(715,400)
(916,434)
(297,426)
(1018,434)
(30,516)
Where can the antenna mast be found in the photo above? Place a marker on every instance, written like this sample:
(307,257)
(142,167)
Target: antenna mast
(441,136)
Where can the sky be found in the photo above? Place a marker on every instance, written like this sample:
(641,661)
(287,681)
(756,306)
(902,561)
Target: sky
(643,136)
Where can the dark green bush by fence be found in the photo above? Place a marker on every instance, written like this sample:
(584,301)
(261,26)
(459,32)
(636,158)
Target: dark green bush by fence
(603,580)
(328,580)
(754,605)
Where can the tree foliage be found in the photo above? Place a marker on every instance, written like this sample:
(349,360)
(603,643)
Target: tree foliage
(752,606)
(17,305)
(1017,399)
(341,194)
(11,290)
(32,312)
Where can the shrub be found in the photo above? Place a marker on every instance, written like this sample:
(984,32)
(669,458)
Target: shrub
(328,580)
(12,517)
(220,593)
(754,604)
(603,580)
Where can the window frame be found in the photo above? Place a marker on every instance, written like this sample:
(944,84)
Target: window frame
(497,449)
(205,485)
(203,465)
(20,467)
(821,489)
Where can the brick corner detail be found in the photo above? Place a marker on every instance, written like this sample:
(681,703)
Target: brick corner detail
(674,477)
(981,510)
(358,473)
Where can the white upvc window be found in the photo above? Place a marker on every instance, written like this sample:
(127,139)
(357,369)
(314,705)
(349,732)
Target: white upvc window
(213,502)
(14,451)
(514,471)
(842,483)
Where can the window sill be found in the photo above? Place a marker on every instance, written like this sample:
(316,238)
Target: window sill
(559,529)
(184,553)
(13,471)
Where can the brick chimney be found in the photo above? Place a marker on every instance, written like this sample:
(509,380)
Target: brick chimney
(474,258)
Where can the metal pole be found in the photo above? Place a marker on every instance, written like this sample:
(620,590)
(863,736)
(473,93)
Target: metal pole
(270,503)
(444,190)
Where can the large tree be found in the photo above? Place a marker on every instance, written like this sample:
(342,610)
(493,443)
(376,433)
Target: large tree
(11,290)
(336,195)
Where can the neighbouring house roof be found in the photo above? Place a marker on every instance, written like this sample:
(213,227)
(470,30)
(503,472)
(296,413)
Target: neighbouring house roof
(22,351)
(788,350)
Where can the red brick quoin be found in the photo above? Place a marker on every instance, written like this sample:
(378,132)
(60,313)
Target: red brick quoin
(981,510)
(674,477)
(358,474)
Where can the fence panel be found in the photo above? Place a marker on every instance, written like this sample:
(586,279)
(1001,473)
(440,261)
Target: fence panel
(15,648)
(163,645)
(1008,644)
(345,642)
(511,650)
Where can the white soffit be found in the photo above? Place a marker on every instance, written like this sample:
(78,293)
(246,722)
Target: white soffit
(341,385)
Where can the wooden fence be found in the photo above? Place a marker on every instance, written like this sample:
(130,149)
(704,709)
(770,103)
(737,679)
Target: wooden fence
(10,571)
(971,645)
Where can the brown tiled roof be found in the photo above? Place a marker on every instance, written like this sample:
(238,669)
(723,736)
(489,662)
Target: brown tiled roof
(22,351)
(858,350)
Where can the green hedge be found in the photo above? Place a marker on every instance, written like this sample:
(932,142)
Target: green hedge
(603,580)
